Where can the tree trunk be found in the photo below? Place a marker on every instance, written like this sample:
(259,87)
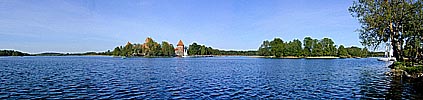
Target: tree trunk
(396,51)
(395,45)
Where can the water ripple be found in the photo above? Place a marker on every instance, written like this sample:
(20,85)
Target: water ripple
(198,78)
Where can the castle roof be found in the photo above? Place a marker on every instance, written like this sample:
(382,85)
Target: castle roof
(148,39)
(180,43)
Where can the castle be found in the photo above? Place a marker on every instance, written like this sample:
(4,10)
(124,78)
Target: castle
(180,49)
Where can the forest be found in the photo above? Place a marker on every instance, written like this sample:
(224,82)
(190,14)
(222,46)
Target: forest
(276,48)
(12,53)
(309,48)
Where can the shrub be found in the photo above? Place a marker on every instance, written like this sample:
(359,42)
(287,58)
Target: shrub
(414,69)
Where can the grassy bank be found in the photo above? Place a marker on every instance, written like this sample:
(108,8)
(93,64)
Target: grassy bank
(407,69)
(296,57)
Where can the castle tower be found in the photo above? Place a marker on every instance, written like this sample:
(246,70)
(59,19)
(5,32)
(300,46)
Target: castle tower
(179,50)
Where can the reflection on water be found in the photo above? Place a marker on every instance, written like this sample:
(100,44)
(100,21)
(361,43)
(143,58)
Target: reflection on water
(204,78)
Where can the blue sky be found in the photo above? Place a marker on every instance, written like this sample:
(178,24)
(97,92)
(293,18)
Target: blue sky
(36,26)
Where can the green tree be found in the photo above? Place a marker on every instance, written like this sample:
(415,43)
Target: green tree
(388,21)
(128,51)
(158,50)
(194,49)
(137,49)
(203,50)
(277,47)
(167,49)
(264,49)
(15,54)
(342,52)
(329,48)
(364,52)
(151,48)
(308,46)
(354,51)
(211,51)
(296,46)
(122,51)
(288,49)
(317,48)
(116,51)
(12,53)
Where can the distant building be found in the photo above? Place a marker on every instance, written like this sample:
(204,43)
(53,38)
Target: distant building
(148,39)
(179,50)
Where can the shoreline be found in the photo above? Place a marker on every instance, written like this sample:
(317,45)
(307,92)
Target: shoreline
(201,56)
(400,69)
(316,57)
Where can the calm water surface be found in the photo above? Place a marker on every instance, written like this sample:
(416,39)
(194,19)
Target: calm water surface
(198,78)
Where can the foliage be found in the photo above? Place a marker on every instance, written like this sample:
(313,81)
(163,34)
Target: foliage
(264,49)
(364,52)
(394,21)
(149,48)
(342,51)
(317,48)
(167,49)
(277,47)
(12,53)
(308,46)
(195,49)
(354,51)
(414,69)
(408,67)
(312,47)
(294,48)
(329,49)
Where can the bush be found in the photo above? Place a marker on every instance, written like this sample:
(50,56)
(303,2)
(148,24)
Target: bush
(414,69)
(399,65)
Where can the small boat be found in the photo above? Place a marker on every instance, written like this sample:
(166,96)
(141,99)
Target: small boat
(123,57)
(386,59)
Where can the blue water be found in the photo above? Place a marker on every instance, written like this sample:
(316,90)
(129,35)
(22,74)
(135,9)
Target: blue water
(198,78)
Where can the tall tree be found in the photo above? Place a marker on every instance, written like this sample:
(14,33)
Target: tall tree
(308,46)
(264,49)
(354,51)
(342,52)
(317,48)
(116,51)
(364,52)
(137,49)
(387,21)
(194,49)
(277,47)
(167,49)
(151,48)
(128,49)
(329,48)
(297,47)
(203,50)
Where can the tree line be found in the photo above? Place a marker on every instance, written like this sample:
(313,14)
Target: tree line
(309,48)
(149,49)
(12,53)
(106,53)
(195,49)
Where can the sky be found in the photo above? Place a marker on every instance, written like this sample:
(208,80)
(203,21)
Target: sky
(36,26)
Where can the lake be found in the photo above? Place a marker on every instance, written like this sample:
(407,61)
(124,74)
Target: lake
(91,77)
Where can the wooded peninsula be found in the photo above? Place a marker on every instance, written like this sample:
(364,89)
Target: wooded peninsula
(276,48)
